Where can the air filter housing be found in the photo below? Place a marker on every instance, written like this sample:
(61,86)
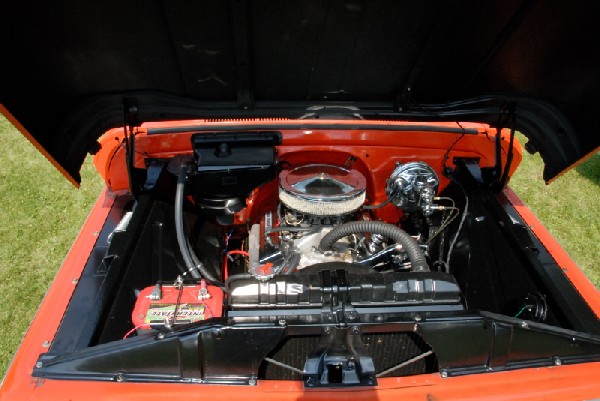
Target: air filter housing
(322,190)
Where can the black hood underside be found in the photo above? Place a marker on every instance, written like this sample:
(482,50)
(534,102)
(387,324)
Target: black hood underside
(532,65)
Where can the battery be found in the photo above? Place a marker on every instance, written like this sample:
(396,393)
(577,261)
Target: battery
(197,302)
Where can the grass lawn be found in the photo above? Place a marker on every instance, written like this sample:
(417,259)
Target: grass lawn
(568,207)
(41,213)
(40,216)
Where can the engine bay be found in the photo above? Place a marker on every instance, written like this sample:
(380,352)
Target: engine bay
(310,235)
(312,257)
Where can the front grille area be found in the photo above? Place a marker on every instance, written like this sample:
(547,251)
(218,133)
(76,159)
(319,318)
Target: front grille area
(386,349)
(391,349)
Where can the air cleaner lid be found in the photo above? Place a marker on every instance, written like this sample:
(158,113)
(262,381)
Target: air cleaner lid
(322,189)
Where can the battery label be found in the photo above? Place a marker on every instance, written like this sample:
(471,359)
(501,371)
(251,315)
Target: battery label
(186,313)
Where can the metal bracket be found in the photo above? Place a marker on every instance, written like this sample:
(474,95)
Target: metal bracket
(472,166)
(340,359)
(154,169)
(337,307)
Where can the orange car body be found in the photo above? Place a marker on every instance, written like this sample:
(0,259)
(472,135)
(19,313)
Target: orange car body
(551,383)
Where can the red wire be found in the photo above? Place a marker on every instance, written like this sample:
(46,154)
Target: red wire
(209,311)
(225,271)
(135,328)
(236,252)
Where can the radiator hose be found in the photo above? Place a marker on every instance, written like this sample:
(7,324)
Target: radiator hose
(414,252)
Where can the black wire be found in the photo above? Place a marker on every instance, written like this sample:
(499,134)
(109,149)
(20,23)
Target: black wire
(127,151)
(447,154)
(464,132)
(460,225)
(385,203)
(509,156)
(112,157)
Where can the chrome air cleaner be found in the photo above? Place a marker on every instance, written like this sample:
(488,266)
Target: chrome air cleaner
(322,190)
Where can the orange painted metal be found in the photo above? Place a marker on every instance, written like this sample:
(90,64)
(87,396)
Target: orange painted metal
(576,382)
(18,383)
(376,149)
(110,160)
(374,152)
(569,268)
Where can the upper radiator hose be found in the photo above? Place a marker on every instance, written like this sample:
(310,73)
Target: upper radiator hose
(414,252)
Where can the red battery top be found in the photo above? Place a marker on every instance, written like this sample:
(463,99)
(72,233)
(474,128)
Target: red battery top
(197,302)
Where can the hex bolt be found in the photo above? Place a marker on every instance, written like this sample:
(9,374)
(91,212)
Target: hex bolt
(418,318)
(46,344)
(327,330)
(311,381)
(282,322)
(355,330)
(160,336)
(119,377)
(444,374)
(252,382)
(557,361)
(39,365)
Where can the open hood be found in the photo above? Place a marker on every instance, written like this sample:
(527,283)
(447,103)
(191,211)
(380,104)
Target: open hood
(532,65)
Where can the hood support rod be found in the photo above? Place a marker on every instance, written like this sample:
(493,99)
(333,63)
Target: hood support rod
(130,120)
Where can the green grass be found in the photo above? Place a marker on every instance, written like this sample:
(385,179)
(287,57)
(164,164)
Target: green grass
(41,213)
(568,207)
(40,216)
